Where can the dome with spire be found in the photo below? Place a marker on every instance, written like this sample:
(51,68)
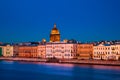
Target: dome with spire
(55,34)
(55,30)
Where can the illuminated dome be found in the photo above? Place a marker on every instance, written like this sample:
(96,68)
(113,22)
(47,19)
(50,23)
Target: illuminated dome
(55,34)
(55,30)
(43,40)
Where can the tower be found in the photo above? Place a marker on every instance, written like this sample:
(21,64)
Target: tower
(55,34)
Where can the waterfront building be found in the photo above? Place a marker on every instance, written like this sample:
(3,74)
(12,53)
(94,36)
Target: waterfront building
(15,50)
(42,51)
(7,51)
(107,52)
(115,52)
(1,51)
(55,34)
(61,50)
(101,51)
(28,51)
(84,51)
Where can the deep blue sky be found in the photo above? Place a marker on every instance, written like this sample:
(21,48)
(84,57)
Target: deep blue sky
(83,20)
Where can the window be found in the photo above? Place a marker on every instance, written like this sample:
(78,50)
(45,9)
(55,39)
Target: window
(7,52)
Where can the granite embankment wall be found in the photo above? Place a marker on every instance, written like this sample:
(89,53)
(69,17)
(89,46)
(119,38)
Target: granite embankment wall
(23,59)
(93,62)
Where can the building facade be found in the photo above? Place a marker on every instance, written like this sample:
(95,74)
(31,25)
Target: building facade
(107,52)
(42,51)
(102,51)
(61,50)
(7,51)
(84,51)
(1,51)
(55,34)
(28,51)
(115,52)
(15,50)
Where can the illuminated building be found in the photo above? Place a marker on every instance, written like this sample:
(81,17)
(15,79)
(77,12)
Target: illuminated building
(115,52)
(107,52)
(7,51)
(61,50)
(55,34)
(101,51)
(41,51)
(15,50)
(28,51)
(84,51)
(1,51)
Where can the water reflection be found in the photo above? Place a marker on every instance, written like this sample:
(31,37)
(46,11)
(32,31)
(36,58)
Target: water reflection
(107,67)
(56,71)
(101,67)
(49,64)
(7,62)
(70,66)
(58,64)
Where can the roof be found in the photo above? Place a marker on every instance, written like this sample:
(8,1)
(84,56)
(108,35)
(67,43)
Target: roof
(106,44)
(55,30)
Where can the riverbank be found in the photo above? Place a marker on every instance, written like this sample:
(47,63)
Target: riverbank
(23,59)
(91,62)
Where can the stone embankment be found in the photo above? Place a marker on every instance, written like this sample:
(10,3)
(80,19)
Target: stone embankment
(92,62)
(23,59)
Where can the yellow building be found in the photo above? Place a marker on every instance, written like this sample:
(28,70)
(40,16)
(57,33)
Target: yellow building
(8,51)
(106,52)
(55,34)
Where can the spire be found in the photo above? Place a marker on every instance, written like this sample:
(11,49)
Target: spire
(54,25)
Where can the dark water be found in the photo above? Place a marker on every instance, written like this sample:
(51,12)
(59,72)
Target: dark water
(10,70)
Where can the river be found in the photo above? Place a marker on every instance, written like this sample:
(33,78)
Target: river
(13,70)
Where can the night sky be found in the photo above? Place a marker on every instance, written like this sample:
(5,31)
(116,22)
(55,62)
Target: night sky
(82,20)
